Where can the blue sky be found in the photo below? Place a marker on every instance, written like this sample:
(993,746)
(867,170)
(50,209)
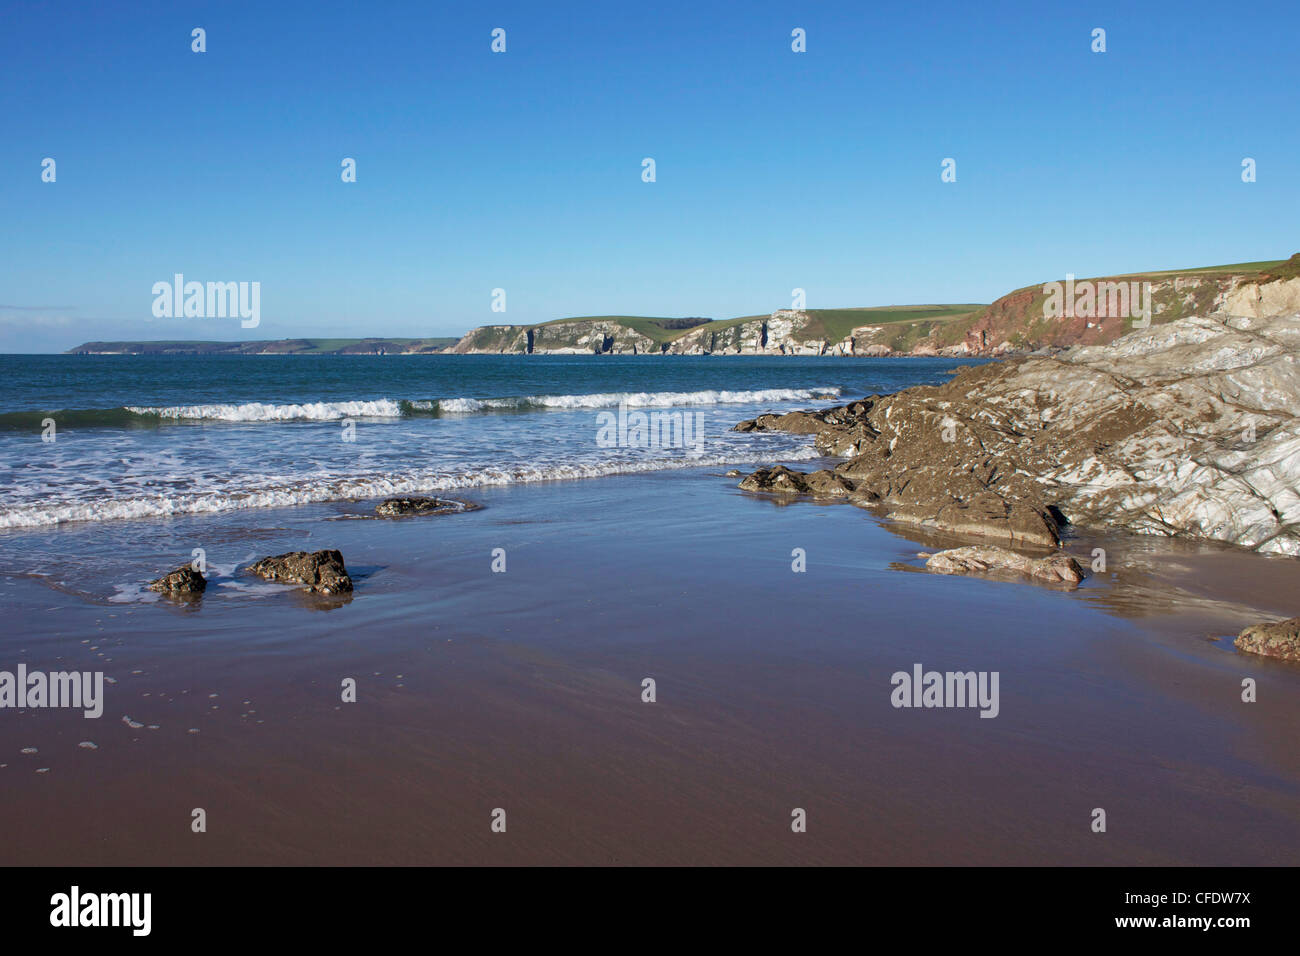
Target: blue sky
(522,170)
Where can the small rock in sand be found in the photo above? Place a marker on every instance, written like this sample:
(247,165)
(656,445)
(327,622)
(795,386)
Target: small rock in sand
(1054,569)
(781,480)
(184,580)
(404,505)
(321,571)
(408,505)
(1277,639)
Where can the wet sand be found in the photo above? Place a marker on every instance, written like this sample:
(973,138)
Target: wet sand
(522,691)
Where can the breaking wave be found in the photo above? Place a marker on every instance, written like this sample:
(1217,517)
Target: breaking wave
(144,416)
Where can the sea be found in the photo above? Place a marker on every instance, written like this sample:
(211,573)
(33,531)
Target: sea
(93,438)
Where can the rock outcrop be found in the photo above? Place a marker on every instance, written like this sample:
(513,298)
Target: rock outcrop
(590,338)
(1053,569)
(575,337)
(322,572)
(493,340)
(1273,292)
(1278,639)
(183,581)
(1186,429)
(784,481)
(784,332)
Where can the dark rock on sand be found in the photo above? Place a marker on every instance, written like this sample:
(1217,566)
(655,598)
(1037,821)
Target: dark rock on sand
(1278,639)
(796,423)
(785,481)
(927,486)
(416,505)
(321,571)
(1017,522)
(184,580)
(1054,569)
(919,464)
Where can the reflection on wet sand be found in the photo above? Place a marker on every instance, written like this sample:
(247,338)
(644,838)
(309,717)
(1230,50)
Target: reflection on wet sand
(1143,576)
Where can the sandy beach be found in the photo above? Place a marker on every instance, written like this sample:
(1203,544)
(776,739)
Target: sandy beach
(522,691)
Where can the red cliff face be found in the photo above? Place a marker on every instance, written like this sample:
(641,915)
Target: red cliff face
(999,322)
(1021,321)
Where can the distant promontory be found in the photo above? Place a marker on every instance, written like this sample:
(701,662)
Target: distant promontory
(1047,316)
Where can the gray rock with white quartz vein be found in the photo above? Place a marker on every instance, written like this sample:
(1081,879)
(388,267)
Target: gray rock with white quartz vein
(1191,428)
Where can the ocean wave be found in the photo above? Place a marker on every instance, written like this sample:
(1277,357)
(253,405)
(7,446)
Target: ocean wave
(352,488)
(630,399)
(137,416)
(264,412)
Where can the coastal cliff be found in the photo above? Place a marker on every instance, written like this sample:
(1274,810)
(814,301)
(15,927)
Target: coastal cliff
(1019,323)
(896,330)
(574,337)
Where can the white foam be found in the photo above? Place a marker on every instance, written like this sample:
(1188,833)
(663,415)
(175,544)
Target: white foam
(633,399)
(277,494)
(390,408)
(263,412)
